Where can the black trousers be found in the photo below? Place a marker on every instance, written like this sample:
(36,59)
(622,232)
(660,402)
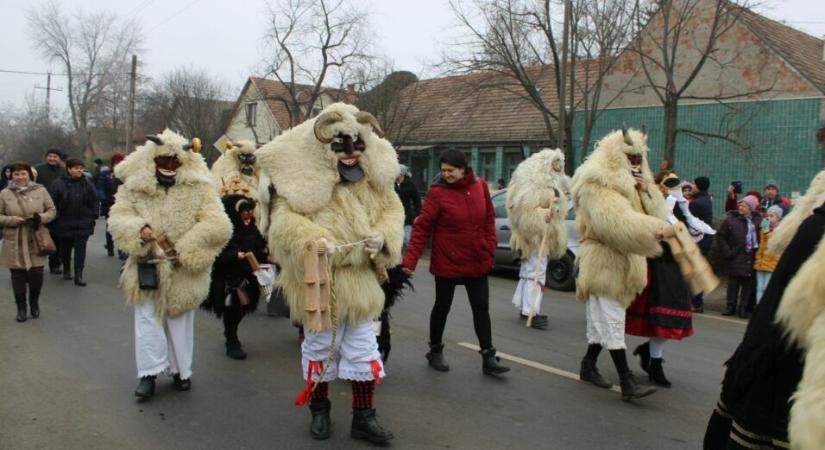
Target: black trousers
(232,316)
(22,277)
(478,291)
(743,288)
(65,249)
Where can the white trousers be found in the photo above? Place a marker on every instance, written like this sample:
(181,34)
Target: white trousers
(163,345)
(530,289)
(605,323)
(356,350)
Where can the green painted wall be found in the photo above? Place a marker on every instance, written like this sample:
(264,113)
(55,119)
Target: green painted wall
(781,135)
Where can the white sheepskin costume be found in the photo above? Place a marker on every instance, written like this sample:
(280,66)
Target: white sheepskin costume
(227,173)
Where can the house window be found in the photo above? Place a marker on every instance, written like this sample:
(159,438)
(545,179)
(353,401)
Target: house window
(251,114)
(512,158)
(487,165)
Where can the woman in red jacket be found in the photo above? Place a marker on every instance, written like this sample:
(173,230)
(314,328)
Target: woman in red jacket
(459,214)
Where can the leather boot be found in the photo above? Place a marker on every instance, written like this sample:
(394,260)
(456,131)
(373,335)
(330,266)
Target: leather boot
(435,358)
(657,373)
(364,426)
(490,362)
(146,387)
(235,351)
(34,304)
(631,389)
(643,352)
(78,277)
(590,373)
(743,311)
(180,384)
(20,300)
(730,310)
(320,426)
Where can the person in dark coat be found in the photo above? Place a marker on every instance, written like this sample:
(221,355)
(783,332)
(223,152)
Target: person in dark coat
(459,214)
(110,189)
(408,193)
(47,172)
(5,177)
(77,209)
(765,370)
(772,197)
(234,289)
(702,208)
(738,240)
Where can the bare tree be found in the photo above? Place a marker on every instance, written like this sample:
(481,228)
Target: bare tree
(25,134)
(314,43)
(92,49)
(676,40)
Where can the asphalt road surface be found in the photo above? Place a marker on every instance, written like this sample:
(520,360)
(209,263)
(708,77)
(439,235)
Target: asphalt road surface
(67,380)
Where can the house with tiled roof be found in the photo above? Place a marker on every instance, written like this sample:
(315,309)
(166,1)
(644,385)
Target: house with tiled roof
(264,109)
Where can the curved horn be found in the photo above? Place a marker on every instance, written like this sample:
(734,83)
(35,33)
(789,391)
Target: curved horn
(626,136)
(322,122)
(228,145)
(364,118)
(154,138)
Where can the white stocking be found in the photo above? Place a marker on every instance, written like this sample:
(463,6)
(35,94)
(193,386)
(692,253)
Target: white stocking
(657,347)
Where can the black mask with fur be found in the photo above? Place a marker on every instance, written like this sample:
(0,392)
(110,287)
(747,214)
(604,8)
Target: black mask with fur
(247,161)
(166,169)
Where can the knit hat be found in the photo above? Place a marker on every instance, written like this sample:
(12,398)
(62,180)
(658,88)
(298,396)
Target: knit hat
(777,210)
(751,201)
(403,170)
(56,151)
(702,183)
(772,183)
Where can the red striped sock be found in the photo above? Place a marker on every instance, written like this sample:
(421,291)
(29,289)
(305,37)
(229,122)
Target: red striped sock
(363,393)
(321,391)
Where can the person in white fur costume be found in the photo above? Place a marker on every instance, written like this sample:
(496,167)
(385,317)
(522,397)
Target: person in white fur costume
(237,171)
(620,218)
(167,215)
(773,391)
(537,206)
(334,178)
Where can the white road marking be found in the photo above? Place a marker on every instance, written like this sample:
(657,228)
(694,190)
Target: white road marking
(533,364)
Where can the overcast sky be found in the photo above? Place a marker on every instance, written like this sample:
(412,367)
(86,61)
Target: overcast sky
(223,36)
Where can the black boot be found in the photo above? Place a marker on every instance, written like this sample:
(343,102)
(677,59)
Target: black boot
(78,277)
(643,351)
(490,362)
(743,311)
(67,272)
(20,300)
(657,374)
(235,351)
(320,426)
(631,389)
(730,310)
(364,426)
(180,384)
(435,358)
(34,304)
(146,387)
(590,373)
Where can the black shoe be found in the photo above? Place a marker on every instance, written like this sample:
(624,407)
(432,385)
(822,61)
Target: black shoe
(21,313)
(743,312)
(729,311)
(78,278)
(34,306)
(657,373)
(643,351)
(234,350)
(364,426)
(539,322)
(67,274)
(146,387)
(490,362)
(631,389)
(590,373)
(320,426)
(435,358)
(110,252)
(181,385)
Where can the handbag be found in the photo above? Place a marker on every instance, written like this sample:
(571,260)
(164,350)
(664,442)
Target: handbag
(148,276)
(43,242)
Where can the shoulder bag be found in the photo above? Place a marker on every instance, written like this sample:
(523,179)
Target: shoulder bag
(43,242)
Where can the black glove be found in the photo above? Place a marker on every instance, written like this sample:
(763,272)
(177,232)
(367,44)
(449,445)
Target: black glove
(36,220)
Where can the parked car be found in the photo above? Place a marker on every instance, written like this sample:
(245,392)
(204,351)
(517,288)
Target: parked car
(561,273)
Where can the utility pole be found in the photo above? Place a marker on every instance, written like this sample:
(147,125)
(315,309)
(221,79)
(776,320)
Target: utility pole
(563,79)
(49,90)
(130,126)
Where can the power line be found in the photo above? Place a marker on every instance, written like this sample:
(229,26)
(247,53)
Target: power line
(26,72)
(174,15)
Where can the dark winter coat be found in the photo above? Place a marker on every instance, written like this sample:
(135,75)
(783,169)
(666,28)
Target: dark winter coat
(730,238)
(461,218)
(702,208)
(105,188)
(408,194)
(77,207)
(46,174)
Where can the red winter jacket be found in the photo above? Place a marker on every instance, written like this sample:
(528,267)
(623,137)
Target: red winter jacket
(461,218)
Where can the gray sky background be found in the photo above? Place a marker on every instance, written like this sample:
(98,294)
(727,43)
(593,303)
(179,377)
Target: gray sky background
(223,37)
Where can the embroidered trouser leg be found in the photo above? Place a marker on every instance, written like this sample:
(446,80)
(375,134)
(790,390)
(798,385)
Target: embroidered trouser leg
(163,344)
(357,359)
(530,288)
(605,323)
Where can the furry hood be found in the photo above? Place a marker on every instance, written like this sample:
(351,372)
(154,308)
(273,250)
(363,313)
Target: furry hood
(304,170)
(544,170)
(609,167)
(137,171)
(229,164)
(804,207)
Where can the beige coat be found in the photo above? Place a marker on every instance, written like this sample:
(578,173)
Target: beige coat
(18,250)
(616,223)
(189,214)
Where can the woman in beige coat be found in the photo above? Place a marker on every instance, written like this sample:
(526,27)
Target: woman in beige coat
(24,206)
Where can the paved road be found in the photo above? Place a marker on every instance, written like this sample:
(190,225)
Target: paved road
(66,381)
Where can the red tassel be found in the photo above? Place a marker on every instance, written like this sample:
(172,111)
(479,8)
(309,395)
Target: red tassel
(303,397)
(376,371)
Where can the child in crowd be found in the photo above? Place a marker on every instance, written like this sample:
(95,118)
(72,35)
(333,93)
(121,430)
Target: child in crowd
(766,261)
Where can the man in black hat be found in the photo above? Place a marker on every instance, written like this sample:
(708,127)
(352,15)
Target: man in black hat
(702,208)
(48,172)
(772,197)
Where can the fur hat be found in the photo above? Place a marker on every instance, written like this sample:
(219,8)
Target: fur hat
(777,210)
(702,183)
(751,201)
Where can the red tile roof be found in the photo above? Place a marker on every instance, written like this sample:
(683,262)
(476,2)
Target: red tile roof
(274,93)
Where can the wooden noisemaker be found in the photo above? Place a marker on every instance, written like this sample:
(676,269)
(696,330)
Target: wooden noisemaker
(317,291)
